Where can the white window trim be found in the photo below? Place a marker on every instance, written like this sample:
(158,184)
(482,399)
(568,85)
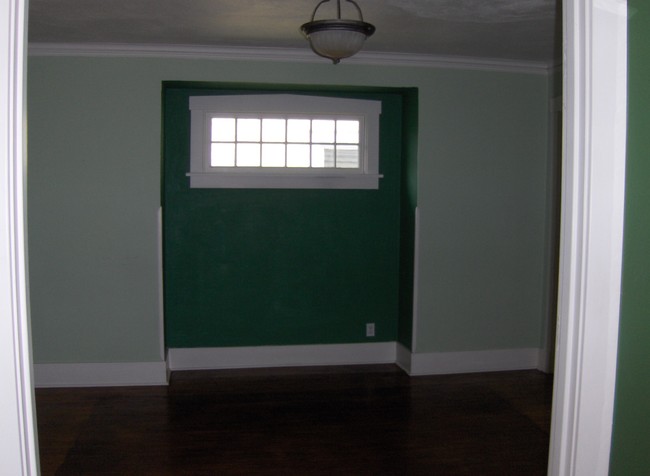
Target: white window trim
(202,175)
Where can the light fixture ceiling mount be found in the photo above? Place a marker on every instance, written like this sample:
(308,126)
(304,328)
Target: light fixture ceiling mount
(337,39)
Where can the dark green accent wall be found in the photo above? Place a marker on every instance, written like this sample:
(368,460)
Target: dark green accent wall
(280,267)
(631,432)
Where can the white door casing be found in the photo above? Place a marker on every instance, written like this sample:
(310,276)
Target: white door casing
(18,451)
(593,188)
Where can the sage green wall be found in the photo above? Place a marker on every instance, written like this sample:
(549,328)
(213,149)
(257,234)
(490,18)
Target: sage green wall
(631,438)
(94,188)
(483,181)
(93,192)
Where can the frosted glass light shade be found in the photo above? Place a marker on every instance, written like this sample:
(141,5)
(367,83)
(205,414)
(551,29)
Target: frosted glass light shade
(337,44)
(337,39)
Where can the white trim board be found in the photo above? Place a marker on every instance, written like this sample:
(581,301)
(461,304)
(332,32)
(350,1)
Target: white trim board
(439,363)
(300,55)
(593,190)
(207,358)
(100,374)
(280,356)
(403,358)
(161,284)
(353,354)
(19,448)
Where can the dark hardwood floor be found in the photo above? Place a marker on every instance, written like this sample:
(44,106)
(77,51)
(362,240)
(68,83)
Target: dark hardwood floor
(356,420)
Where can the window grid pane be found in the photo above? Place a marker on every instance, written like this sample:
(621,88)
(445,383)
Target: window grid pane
(322,130)
(248,155)
(274,130)
(248,130)
(273,155)
(222,154)
(298,130)
(223,129)
(285,142)
(298,155)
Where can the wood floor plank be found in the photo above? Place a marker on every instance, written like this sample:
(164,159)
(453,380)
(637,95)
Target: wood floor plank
(356,420)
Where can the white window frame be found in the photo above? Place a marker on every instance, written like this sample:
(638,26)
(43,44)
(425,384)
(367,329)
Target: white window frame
(203,175)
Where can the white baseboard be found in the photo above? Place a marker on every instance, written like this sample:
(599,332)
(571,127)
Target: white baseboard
(280,356)
(436,363)
(403,358)
(157,373)
(100,375)
(546,361)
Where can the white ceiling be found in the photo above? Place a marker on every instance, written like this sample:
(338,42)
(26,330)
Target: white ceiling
(519,30)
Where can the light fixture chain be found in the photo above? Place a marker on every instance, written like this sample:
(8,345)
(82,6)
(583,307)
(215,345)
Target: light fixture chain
(355,6)
(313,15)
(338,9)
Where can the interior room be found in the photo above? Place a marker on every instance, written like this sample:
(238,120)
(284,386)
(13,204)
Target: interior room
(479,192)
(448,270)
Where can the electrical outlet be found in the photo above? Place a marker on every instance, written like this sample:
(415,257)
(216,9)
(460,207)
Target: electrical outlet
(370,329)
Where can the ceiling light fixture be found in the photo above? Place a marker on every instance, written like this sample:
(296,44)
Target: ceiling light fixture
(337,39)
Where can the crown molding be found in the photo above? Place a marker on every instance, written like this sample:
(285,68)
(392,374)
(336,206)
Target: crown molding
(300,55)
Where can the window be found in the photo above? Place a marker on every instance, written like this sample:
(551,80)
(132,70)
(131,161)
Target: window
(284,141)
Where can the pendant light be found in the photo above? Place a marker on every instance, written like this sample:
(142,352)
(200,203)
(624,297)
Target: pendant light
(337,39)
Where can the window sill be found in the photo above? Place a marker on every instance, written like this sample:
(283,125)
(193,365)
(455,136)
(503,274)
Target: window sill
(233,180)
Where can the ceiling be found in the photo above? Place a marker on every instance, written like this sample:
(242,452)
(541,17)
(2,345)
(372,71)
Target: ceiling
(518,30)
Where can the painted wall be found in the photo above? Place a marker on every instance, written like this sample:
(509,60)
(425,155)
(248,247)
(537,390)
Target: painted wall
(253,267)
(630,438)
(94,189)
(482,185)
